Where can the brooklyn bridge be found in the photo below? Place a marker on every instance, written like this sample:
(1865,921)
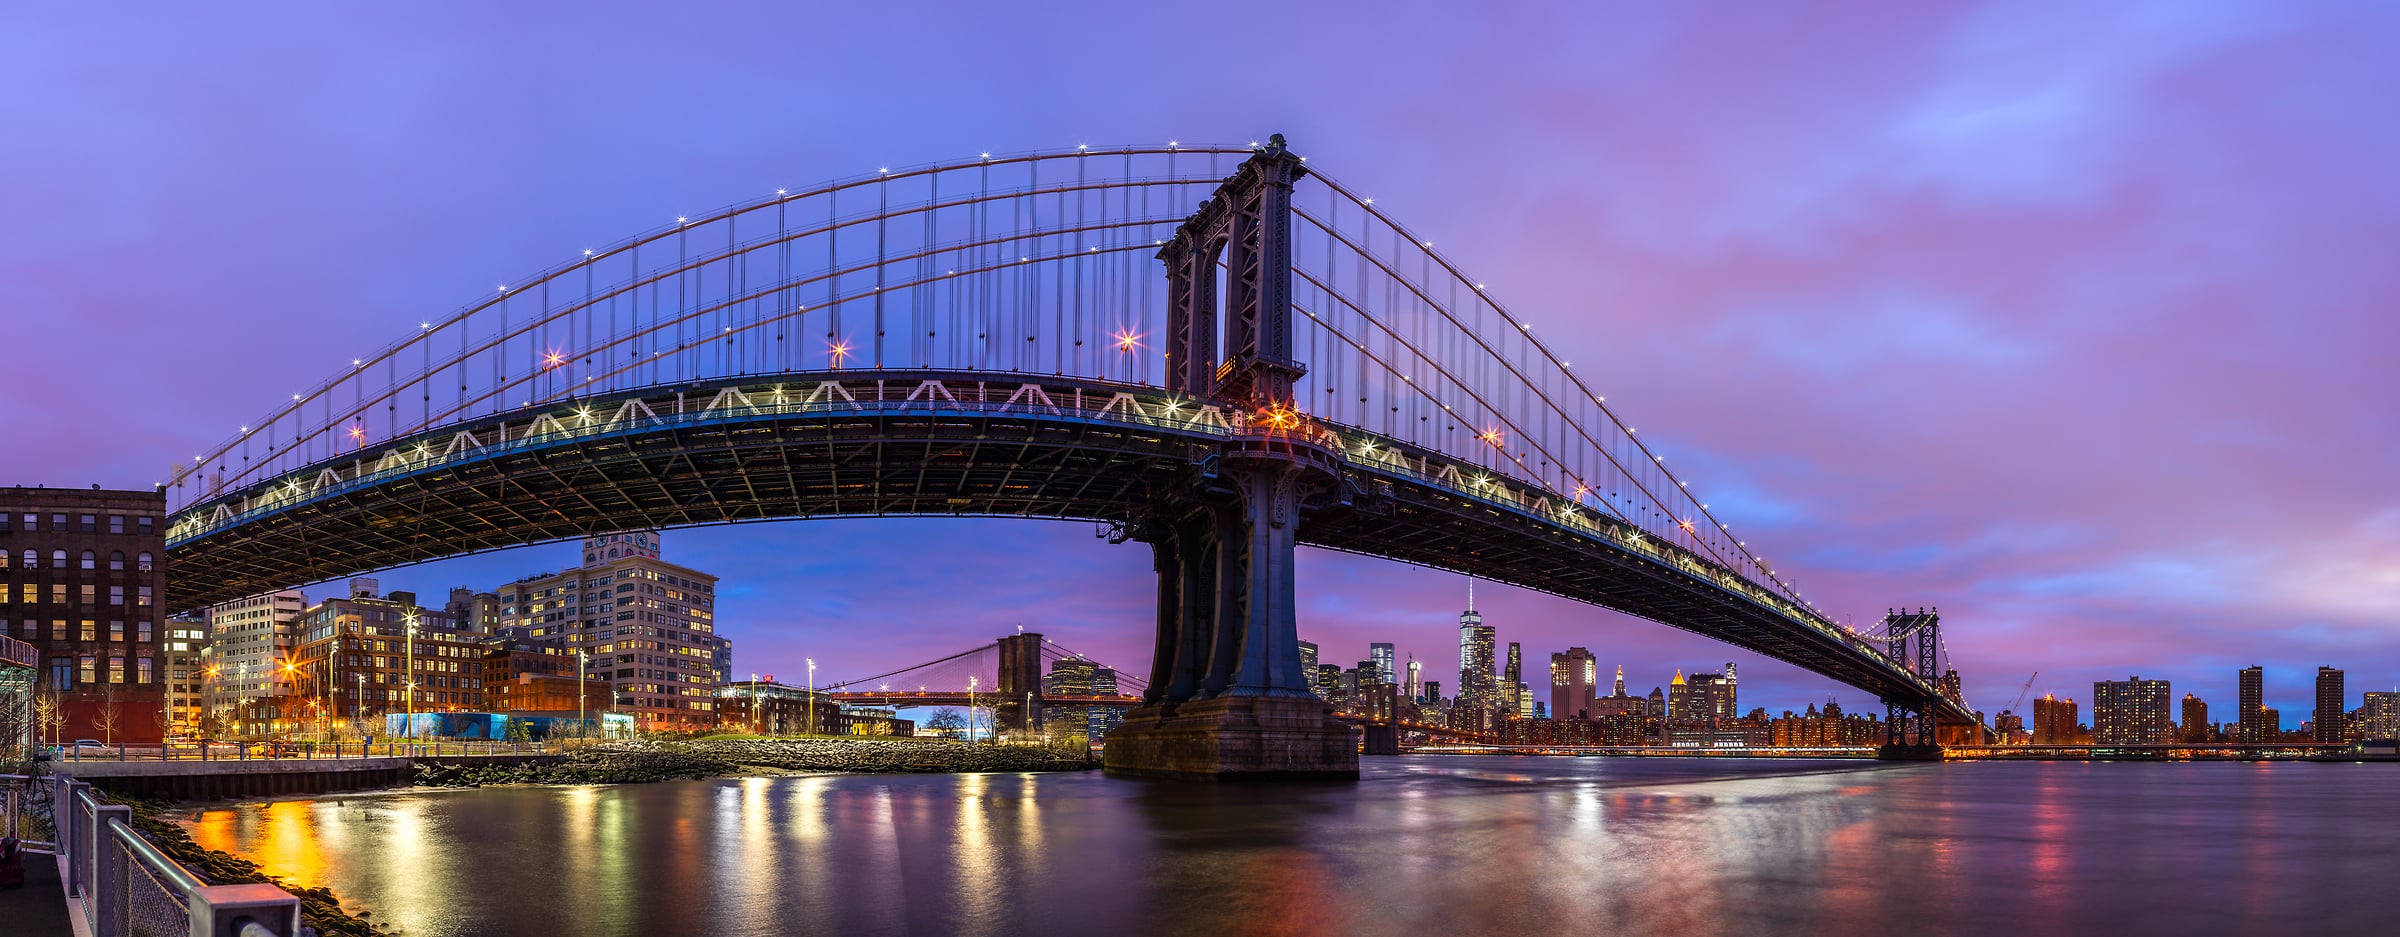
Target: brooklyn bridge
(1219,352)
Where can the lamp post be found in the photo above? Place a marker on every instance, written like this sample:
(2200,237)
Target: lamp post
(754,729)
(811,698)
(409,679)
(359,707)
(971,684)
(582,721)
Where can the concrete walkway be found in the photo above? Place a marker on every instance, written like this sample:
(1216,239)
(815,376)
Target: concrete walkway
(40,908)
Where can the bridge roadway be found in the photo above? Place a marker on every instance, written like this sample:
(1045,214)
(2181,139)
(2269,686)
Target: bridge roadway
(875,443)
(908,700)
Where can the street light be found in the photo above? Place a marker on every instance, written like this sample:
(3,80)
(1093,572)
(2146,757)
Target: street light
(811,698)
(409,679)
(971,684)
(754,704)
(582,722)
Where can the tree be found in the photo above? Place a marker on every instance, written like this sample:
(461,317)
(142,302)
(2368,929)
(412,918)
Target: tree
(49,713)
(111,714)
(946,721)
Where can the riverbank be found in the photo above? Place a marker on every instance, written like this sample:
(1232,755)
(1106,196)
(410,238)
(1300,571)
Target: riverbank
(627,763)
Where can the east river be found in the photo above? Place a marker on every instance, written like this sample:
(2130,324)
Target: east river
(1422,845)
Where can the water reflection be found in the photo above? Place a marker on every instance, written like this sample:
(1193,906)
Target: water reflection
(1419,846)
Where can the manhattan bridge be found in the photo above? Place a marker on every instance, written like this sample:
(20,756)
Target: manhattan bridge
(1217,351)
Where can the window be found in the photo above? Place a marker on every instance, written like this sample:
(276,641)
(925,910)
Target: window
(89,561)
(58,559)
(116,595)
(116,525)
(141,561)
(58,523)
(141,596)
(141,525)
(143,674)
(58,629)
(142,631)
(116,561)
(86,664)
(91,630)
(91,593)
(62,671)
(4,522)
(116,669)
(116,631)
(58,593)
(90,525)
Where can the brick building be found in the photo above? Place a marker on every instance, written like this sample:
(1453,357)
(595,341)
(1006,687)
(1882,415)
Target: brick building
(82,579)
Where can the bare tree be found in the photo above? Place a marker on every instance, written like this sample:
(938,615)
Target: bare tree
(111,715)
(49,713)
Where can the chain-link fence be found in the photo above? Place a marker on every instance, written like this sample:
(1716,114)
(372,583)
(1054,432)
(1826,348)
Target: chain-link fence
(123,886)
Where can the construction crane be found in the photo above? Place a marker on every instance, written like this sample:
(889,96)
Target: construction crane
(2020,701)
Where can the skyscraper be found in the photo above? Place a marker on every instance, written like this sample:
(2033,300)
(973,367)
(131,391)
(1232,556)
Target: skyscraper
(1308,665)
(1512,681)
(2195,719)
(2251,718)
(1475,679)
(1574,676)
(1416,680)
(1381,653)
(2132,711)
(2333,712)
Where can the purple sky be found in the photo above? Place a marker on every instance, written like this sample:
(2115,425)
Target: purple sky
(2077,322)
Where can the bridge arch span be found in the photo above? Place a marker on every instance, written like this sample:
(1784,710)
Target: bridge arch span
(991,337)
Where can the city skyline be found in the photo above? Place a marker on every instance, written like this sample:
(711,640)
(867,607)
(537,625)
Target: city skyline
(2105,251)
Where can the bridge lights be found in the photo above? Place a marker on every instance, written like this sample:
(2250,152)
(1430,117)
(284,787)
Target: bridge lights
(1127,339)
(553,359)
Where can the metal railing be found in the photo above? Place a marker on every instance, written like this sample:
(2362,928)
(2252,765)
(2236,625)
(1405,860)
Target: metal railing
(126,887)
(302,751)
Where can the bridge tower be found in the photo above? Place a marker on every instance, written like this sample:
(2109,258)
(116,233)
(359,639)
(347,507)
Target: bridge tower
(1912,726)
(1017,700)
(1227,699)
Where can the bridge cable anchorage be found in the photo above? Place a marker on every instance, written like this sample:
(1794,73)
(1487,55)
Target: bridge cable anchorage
(1024,287)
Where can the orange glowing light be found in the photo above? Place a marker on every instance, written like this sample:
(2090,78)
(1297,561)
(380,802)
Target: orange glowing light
(838,350)
(553,359)
(1128,340)
(1491,436)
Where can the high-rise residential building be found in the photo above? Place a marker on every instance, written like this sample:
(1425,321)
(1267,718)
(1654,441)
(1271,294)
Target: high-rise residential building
(2132,711)
(649,626)
(1574,682)
(249,641)
(2196,727)
(2252,716)
(82,578)
(1415,689)
(1512,679)
(2379,717)
(1386,669)
(1706,699)
(1477,684)
(1433,691)
(184,650)
(2333,711)
(1308,664)
(2053,721)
